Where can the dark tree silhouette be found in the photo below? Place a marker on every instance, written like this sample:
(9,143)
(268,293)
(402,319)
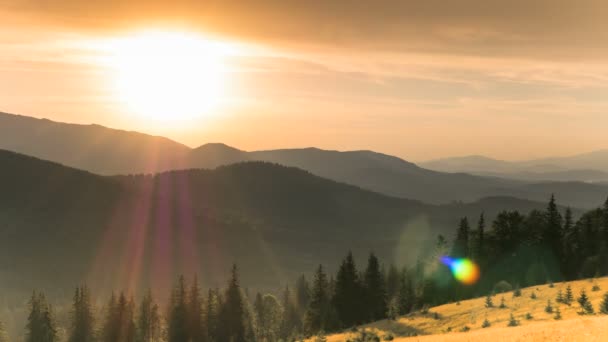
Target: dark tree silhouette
(82,318)
(41,325)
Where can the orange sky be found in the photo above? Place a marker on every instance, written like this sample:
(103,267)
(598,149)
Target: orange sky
(417,79)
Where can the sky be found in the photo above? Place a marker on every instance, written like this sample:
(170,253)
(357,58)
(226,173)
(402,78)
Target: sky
(417,79)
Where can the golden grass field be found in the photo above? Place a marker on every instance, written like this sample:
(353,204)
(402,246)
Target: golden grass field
(471,313)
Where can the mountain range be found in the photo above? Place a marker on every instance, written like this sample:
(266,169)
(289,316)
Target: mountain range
(588,167)
(60,226)
(108,151)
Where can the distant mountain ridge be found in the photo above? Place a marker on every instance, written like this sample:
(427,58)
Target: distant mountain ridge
(108,152)
(587,167)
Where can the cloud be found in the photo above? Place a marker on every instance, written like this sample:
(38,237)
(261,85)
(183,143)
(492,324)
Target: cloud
(555,29)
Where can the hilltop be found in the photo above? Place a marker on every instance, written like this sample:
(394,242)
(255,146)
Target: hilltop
(447,322)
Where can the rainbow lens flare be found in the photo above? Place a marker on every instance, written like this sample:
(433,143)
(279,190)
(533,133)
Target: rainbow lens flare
(463,269)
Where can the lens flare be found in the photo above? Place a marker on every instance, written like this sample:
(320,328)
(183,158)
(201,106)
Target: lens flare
(464,270)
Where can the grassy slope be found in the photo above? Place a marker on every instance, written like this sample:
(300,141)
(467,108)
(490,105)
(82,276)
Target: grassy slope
(471,313)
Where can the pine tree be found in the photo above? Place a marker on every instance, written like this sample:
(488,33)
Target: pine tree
(560,297)
(604,304)
(393,308)
(302,295)
(40,324)
(533,295)
(269,313)
(486,323)
(461,244)
(375,290)
(148,320)
(234,322)
(489,303)
(196,324)
(481,226)
(212,313)
(258,309)
(517,291)
(119,325)
(558,314)
(503,305)
(512,321)
(318,310)
(552,233)
(569,298)
(392,282)
(82,318)
(177,318)
(549,307)
(583,301)
(109,330)
(348,292)
(291,324)
(406,293)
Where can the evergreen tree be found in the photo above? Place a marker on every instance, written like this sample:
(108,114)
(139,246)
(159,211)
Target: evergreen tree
(40,323)
(503,305)
(375,290)
(269,313)
(604,304)
(489,303)
(392,282)
(177,318)
(517,291)
(148,320)
(212,311)
(302,295)
(481,227)
(291,324)
(512,321)
(569,297)
(583,301)
(552,233)
(119,325)
(406,293)
(560,297)
(195,320)
(258,309)
(461,244)
(549,307)
(234,323)
(82,318)
(318,311)
(486,323)
(558,314)
(109,330)
(348,292)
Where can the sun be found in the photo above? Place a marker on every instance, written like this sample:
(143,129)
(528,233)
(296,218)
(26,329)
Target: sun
(168,76)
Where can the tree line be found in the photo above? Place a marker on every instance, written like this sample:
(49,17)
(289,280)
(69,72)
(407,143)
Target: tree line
(523,250)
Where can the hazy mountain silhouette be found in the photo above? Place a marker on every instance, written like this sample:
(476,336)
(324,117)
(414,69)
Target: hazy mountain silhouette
(91,147)
(63,225)
(588,167)
(107,151)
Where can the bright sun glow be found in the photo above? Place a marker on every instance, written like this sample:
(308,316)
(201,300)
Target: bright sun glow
(168,76)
